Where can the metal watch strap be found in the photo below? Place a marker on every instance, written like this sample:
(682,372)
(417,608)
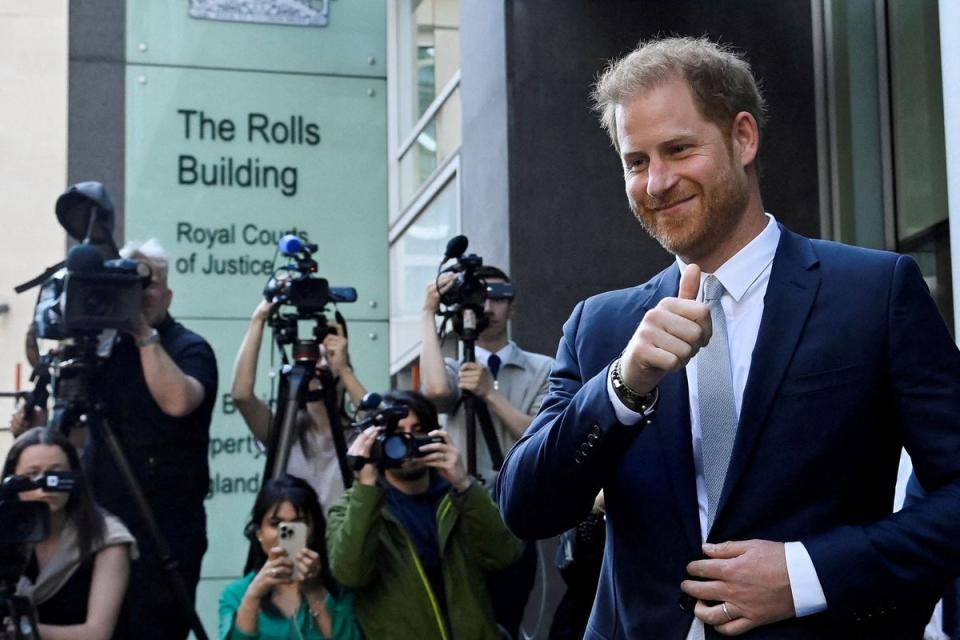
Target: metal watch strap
(637,402)
(153,338)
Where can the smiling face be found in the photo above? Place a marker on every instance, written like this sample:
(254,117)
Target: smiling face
(35,461)
(685,177)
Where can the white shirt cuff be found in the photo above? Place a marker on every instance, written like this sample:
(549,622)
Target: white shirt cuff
(805,586)
(624,415)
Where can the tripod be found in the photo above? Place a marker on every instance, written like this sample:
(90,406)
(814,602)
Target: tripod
(468,322)
(17,618)
(84,409)
(294,390)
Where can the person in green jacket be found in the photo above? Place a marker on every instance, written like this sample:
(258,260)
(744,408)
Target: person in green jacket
(282,597)
(414,542)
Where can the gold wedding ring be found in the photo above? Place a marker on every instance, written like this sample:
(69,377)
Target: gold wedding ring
(726,612)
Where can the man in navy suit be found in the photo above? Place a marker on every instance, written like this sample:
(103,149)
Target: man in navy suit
(744,410)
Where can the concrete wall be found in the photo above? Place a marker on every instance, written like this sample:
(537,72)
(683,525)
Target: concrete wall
(33,109)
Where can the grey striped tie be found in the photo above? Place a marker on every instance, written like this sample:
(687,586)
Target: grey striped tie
(718,411)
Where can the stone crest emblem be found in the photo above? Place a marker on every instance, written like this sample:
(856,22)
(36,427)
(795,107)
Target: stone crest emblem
(301,13)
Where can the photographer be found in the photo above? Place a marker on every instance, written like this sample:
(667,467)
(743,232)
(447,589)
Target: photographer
(159,387)
(313,456)
(414,542)
(511,382)
(77,576)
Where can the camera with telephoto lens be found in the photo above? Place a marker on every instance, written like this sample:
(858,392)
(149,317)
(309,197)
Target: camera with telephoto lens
(94,290)
(392,447)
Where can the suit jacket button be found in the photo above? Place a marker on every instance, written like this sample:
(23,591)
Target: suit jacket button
(687,602)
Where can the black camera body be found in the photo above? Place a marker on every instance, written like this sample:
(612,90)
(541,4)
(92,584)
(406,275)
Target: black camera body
(91,293)
(297,285)
(467,290)
(393,447)
(310,295)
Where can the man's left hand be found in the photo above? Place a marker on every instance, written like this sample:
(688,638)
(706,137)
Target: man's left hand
(476,379)
(749,577)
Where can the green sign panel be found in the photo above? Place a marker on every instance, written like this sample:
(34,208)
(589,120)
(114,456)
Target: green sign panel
(353,42)
(238,134)
(221,165)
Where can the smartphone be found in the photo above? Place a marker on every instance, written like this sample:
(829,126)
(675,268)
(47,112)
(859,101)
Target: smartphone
(293,537)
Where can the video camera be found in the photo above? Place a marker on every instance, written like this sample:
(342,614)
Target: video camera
(300,287)
(464,300)
(296,285)
(468,288)
(24,524)
(97,289)
(392,447)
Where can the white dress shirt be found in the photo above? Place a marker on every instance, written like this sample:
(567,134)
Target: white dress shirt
(745,277)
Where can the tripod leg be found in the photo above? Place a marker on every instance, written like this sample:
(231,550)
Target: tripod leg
(298,378)
(336,429)
(153,530)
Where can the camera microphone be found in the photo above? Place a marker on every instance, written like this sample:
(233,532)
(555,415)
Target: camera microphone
(290,245)
(455,247)
(370,401)
(84,258)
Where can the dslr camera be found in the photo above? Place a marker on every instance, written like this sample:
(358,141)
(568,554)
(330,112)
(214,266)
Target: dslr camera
(392,447)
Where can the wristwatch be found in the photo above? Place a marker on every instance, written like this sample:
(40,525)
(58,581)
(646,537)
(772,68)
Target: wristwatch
(644,404)
(153,338)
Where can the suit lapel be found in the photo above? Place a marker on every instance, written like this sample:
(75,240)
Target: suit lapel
(672,425)
(790,295)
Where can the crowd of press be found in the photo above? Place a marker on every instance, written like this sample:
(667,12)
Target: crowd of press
(726,436)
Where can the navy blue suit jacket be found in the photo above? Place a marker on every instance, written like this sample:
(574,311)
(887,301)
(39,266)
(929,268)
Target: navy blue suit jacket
(852,362)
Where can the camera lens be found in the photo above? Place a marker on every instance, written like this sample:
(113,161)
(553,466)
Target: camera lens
(395,447)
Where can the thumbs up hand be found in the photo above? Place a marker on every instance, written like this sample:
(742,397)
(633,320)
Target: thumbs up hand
(668,336)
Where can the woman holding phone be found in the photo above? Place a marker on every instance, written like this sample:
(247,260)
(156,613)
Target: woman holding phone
(76,578)
(288,591)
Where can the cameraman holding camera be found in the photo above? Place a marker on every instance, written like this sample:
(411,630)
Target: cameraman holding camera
(511,382)
(159,387)
(414,541)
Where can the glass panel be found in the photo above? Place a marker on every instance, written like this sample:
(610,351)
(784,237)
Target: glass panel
(414,258)
(918,144)
(430,56)
(439,139)
(858,170)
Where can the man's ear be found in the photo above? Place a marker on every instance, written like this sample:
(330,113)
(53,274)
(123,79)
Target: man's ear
(745,134)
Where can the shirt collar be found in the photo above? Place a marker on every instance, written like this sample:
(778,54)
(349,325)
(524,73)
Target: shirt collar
(739,272)
(508,355)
